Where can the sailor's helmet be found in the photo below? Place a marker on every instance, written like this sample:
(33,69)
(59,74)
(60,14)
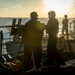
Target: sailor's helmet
(52,13)
(65,16)
(33,14)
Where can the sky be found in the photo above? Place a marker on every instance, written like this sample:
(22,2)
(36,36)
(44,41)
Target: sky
(23,8)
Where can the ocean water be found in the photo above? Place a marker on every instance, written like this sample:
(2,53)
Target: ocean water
(8,21)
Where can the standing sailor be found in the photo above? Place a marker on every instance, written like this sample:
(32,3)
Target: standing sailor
(32,37)
(65,25)
(52,30)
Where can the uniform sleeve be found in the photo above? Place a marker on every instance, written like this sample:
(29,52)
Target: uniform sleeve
(24,31)
(63,21)
(57,26)
(46,28)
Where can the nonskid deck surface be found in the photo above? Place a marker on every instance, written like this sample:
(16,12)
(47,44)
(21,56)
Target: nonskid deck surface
(65,47)
(68,52)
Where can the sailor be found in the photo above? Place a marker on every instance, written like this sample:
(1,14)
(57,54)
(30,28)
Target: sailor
(52,30)
(32,37)
(65,25)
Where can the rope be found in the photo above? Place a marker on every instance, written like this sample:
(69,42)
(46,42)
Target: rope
(70,9)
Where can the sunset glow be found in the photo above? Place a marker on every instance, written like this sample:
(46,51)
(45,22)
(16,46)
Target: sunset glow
(60,7)
(23,8)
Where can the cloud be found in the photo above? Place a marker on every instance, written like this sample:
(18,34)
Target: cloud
(16,6)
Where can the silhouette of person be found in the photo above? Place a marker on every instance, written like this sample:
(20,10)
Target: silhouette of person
(32,37)
(52,30)
(65,25)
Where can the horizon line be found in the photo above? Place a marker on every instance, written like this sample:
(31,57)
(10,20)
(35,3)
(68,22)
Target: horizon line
(29,17)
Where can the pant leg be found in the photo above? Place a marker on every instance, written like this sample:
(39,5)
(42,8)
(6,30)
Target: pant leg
(37,52)
(50,50)
(67,32)
(53,52)
(62,30)
(56,54)
(58,58)
(27,58)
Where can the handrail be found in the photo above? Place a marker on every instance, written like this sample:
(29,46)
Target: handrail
(6,26)
(74,25)
(72,22)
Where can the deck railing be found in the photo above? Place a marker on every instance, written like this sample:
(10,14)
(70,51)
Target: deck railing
(11,33)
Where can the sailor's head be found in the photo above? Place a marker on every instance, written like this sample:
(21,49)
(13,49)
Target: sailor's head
(51,14)
(65,16)
(34,15)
